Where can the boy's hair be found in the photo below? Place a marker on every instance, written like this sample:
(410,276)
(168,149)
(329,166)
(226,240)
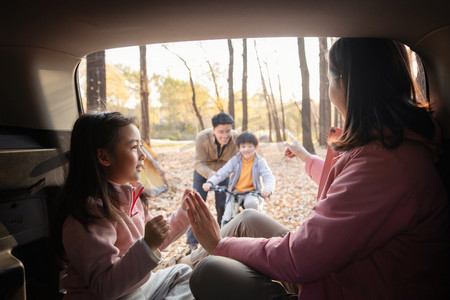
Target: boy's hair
(247,137)
(222,118)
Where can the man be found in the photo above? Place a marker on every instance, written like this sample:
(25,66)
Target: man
(214,147)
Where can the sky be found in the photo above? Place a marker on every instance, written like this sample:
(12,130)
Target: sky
(280,54)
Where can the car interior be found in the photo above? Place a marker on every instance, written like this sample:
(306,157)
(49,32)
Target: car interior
(43,42)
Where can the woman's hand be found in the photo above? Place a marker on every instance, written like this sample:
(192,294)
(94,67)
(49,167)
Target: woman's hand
(295,148)
(156,231)
(204,225)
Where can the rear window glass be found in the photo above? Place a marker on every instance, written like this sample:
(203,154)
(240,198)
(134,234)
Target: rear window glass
(177,87)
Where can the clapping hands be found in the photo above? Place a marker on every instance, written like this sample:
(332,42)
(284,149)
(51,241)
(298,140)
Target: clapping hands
(156,231)
(204,225)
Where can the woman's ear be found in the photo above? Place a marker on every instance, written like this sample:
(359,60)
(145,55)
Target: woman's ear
(103,157)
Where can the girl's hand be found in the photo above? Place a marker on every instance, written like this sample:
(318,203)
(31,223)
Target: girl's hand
(204,225)
(266,194)
(156,231)
(206,186)
(295,149)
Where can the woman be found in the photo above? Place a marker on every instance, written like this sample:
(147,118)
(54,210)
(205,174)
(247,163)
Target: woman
(379,229)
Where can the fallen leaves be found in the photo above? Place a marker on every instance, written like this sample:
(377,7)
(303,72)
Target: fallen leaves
(290,204)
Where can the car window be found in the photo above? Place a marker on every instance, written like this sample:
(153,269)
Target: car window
(188,82)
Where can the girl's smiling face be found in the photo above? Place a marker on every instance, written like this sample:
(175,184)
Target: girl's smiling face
(125,165)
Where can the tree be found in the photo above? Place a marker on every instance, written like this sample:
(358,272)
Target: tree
(244,86)
(121,87)
(176,114)
(274,107)
(282,110)
(194,104)
(266,95)
(230,80)
(306,101)
(217,101)
(324,104)
(144,94)
(96,81)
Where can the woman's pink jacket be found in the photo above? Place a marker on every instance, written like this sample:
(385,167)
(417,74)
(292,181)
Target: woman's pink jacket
(379,229)
(112,259)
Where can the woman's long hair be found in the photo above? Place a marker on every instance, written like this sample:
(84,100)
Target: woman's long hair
(380,96)
(87,177)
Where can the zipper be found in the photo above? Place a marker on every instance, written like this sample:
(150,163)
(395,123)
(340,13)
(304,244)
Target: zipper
(134,201)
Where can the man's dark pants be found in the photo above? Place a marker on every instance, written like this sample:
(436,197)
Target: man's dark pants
(199,180)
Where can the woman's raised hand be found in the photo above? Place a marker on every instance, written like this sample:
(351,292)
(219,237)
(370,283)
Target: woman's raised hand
(204,225)
(156,231)
(295,148)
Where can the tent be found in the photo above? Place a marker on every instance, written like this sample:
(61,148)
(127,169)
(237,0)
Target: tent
(152,175)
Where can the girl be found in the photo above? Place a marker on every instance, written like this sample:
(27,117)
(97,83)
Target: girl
(379,229)
(107,238)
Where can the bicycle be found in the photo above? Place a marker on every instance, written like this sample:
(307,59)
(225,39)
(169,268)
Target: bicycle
(238,204)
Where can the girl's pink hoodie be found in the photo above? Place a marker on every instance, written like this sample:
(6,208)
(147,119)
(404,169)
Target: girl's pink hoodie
(379,229)
(112,260)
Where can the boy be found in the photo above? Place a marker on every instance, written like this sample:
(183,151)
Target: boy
(246,169)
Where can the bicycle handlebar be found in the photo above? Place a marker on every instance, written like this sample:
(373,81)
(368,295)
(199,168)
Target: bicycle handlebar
(224,189)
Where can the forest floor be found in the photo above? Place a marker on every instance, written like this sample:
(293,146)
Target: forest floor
(290,204)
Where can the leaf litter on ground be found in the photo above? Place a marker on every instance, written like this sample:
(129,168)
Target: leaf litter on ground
(290,204)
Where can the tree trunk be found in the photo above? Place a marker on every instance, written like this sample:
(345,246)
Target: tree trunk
(306,101)
(324,105)
(230,80)
(282,110)
(144,95)
(213,75)
(266,96)
(297,123)
(244,86)
(96,81)
(194,104)
(274,108)
(314,121)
